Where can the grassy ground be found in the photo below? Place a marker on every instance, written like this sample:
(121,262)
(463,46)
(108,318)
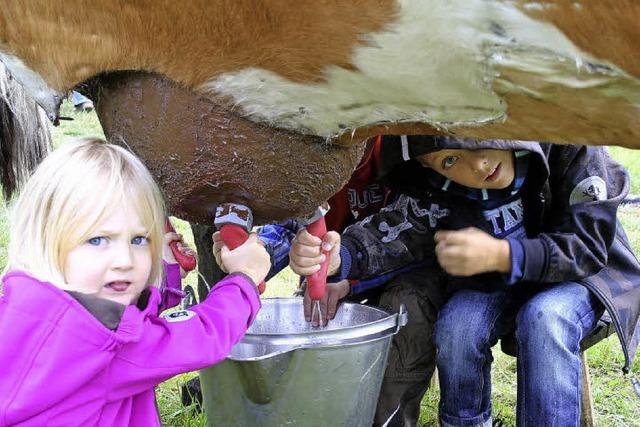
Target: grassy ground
(631,160)
(615,403)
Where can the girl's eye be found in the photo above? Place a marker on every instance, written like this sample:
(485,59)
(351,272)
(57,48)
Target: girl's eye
(97,241)
(140,240)
(449,161)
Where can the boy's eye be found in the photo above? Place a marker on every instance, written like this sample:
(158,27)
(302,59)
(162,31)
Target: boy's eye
(449,161)
(140,240)
(97,241)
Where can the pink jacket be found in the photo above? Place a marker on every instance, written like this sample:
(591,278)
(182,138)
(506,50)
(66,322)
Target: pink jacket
(61,366)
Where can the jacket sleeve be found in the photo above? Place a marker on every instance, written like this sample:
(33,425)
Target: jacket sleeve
(398,235)
(277,240)
(186,340)
(586,187)
(171,288)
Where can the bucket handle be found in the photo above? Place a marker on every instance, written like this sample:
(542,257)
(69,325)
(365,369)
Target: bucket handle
(403,317)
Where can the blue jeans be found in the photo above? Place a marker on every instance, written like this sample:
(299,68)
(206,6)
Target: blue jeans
(549,326)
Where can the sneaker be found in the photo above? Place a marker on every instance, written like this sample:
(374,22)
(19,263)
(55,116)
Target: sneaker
(191,394)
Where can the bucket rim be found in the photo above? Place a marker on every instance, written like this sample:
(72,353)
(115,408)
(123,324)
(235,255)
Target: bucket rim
(287,349)
(391,323)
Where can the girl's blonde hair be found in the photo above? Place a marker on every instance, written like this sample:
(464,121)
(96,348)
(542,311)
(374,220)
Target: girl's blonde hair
(71,192)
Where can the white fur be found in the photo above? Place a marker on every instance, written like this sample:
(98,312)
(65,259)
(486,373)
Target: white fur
(27,130)
(437,63)
(33,84)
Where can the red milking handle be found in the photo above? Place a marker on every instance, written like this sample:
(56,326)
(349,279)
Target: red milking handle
(187,262)
(317,282)
(233,236)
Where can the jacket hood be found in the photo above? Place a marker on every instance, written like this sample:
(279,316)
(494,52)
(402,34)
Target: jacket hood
(400,169)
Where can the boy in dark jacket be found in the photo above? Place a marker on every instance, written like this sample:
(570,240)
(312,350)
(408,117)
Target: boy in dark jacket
(527,238)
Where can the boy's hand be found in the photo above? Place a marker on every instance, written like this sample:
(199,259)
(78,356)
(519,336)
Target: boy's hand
(250,258)
(306,255)
(217,247)
(329,304)
(471,251)
(167,254)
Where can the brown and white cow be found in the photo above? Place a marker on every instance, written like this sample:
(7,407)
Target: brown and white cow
(278,75)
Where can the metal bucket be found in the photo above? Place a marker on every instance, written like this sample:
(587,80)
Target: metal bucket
(284,372)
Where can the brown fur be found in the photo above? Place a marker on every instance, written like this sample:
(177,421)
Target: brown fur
(190,41)
(572,118)
(607,29)
(194,41)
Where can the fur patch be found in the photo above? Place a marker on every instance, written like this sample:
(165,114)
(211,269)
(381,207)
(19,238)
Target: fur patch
(445,77)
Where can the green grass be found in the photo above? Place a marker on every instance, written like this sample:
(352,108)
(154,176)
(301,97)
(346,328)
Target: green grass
(615,403)
(82,125)
(631,160)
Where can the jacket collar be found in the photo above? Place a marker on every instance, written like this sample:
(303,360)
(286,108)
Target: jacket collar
(32,294)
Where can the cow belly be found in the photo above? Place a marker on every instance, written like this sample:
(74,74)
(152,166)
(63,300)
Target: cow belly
(202,155)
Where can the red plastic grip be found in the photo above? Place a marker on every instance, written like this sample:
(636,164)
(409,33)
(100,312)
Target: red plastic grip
(234,236)
(187,262)
(317,282)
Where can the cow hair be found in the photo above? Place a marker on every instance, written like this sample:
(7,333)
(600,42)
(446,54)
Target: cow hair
(25,137)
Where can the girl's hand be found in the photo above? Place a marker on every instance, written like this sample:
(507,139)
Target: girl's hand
(167,254)
(250,258)
(471,251)
(306,255)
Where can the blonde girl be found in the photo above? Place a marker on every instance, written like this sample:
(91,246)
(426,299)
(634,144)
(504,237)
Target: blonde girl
(82,340)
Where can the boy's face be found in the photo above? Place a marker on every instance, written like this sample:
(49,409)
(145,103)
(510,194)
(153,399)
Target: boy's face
(487,168)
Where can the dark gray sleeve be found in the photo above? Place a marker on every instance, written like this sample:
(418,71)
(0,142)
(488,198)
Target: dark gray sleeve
(581,225)
(398,235)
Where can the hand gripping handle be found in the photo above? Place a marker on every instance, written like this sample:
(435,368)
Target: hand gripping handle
(187,262)
(317,282)
(234,236)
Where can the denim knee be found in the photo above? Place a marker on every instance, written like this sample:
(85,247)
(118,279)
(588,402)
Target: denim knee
(462,331)
(447,338)
(543,322)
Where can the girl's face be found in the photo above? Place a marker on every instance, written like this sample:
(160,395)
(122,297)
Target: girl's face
(115,262)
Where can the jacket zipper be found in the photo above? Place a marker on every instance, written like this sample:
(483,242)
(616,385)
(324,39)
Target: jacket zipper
(616,321)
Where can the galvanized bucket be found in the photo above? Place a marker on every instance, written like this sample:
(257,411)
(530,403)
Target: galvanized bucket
(284,372)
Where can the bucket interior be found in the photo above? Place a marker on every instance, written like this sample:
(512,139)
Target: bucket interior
(285,372)
(280,326)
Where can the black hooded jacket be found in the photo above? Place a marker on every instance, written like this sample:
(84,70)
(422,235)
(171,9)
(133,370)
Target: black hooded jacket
(570,198)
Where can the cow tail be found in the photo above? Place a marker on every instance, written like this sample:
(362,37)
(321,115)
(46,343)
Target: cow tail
(25,136)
